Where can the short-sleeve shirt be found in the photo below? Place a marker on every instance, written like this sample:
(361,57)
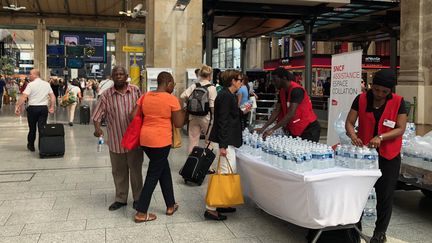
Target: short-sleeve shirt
(37,92)
(212,92)
(156,130)
(245,94)
(75,90)
(297,96)
(115,107)
(377,112)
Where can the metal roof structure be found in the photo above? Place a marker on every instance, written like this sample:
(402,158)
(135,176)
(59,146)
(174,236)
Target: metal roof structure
(355,20)
(99,9)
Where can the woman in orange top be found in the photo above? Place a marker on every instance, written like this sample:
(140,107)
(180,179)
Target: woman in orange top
(160,110)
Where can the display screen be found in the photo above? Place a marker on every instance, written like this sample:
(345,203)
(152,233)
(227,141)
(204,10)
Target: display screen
(96,40)
(55,50)
(56,62)
(75,63)
(75,51)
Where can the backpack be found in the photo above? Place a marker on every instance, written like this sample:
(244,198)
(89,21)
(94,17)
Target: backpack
(198,101)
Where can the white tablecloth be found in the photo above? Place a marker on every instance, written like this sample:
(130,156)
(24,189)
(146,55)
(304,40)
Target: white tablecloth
(314,200)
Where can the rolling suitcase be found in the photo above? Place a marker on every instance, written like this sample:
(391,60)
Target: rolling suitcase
(197,164)
(51,141)
(84,114)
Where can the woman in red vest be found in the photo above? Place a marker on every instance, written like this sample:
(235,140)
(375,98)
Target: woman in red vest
(382,119)
(294,110)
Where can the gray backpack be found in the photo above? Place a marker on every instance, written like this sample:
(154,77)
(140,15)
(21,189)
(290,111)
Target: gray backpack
(198,101)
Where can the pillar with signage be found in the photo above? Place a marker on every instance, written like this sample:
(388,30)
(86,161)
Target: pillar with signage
(134,70)
(345,86)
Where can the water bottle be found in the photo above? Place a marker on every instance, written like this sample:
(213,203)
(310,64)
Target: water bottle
(299,162)
(100,144)
(369,212)
(330,157)
(375,155)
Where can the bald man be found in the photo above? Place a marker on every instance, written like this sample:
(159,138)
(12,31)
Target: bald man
(37,93)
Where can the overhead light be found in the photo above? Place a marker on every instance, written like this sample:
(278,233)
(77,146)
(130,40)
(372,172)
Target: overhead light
(14,6)
(181,5)
(263,36)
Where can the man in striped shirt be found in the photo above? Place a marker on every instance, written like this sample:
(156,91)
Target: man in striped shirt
(115,105)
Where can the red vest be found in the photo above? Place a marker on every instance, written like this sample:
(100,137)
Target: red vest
(389,149)
(304,114)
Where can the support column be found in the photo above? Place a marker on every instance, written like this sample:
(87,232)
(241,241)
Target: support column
(209,40)
(174,38)
(308,26)
(243,54)
(274,48)
(416,57)
(120,41)
(41,37)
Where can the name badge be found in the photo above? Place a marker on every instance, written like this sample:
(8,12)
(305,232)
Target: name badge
(389,123)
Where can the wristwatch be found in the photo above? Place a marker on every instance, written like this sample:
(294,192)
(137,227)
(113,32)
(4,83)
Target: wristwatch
(381,137)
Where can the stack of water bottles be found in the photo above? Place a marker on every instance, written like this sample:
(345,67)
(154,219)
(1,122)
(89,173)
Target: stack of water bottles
(417,150)
(410,133)
(369,212)
(289,153)
(353,157)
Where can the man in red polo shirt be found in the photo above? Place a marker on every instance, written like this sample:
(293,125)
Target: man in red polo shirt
(294,110)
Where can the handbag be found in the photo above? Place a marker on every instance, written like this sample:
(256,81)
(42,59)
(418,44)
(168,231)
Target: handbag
(131,138)
(224,190)
(176,137)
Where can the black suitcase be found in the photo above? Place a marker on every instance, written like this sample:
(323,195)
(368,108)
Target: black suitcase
(51,141)
(84,114)
(197,164)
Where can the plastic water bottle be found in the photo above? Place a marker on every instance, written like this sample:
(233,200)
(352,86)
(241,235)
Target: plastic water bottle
(100,144)
(375,155)
(369,212)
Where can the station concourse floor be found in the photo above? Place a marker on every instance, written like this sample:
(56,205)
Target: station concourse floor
(66,200)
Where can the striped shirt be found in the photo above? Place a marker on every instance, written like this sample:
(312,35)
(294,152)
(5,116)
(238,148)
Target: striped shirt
(115,107)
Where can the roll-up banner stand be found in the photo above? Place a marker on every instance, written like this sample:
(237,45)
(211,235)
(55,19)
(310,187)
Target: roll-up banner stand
(345,86)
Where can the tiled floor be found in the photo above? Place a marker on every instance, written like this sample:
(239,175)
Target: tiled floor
(66,200)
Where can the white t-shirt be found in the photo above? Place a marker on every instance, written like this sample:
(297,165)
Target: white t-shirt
(38,91)
(211,91)
(74,90)
(104,85)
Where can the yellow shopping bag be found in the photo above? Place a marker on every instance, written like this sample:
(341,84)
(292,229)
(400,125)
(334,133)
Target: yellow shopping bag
(176,137)
(224,190)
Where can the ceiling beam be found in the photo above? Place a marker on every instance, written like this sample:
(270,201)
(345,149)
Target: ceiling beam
(231,25)
(95,8)
(66,6)
(221,8)
(71,15)
(39,7)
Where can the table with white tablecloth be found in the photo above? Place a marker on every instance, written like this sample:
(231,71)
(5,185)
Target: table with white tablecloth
(315,199)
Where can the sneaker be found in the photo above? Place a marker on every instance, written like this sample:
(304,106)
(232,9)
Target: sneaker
(71,124)
(378,237)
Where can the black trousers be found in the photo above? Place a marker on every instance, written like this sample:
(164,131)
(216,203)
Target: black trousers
(385,187)
(158,170)
(36,115)
(312,132)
